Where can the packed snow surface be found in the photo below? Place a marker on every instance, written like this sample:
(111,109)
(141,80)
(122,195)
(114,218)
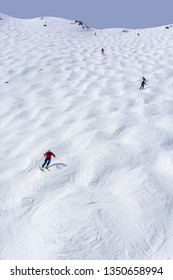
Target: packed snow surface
(109,191)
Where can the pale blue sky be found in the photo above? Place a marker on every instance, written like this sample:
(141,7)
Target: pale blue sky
(96,13)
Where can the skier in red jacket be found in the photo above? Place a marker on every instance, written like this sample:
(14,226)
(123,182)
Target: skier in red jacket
(47,160)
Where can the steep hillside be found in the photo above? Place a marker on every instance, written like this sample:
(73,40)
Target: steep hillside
(109,192)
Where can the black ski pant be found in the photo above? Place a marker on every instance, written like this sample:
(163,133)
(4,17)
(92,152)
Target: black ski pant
(46,161)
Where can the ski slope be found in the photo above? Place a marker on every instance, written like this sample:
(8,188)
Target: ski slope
(109,192)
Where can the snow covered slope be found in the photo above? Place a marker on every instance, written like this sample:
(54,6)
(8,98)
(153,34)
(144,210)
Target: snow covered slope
(109,192)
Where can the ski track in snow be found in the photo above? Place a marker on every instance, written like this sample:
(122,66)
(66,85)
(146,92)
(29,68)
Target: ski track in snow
(114,197)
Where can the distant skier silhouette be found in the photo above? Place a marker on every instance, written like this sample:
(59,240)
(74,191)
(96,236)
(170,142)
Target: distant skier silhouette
(143,83)
(102,51)
(47,160)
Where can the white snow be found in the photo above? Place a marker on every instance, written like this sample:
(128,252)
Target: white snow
(109,192)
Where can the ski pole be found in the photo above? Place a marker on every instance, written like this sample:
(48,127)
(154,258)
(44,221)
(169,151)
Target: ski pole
(39,160)
(35,164)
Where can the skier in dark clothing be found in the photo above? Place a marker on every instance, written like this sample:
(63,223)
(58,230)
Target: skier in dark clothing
(143,83)
(47,160)
(102,51)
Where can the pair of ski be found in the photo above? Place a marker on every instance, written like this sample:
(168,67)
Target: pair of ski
(44,169)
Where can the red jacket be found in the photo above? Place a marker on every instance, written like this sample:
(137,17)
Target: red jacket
(49,154)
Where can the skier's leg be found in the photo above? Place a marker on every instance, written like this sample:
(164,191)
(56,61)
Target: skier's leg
(44,162)
(48,162)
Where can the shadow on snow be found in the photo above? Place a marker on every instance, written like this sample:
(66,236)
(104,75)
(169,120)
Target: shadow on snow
(58,165)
